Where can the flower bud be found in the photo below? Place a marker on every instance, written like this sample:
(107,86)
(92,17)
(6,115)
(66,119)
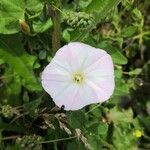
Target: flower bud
(30,142)
(6,110)
(24,26)
(79,20)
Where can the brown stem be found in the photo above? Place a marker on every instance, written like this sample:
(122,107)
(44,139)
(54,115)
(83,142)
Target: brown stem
(10,137)
(54,14)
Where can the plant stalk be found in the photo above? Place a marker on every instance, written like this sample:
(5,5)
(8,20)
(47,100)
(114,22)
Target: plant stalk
(54,14)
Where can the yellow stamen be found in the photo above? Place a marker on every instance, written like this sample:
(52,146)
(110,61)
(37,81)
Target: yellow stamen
(78,78)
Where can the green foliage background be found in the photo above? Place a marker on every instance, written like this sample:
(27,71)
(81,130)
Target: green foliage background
(31,31)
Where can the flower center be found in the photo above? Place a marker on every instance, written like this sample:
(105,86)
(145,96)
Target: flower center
(78,78)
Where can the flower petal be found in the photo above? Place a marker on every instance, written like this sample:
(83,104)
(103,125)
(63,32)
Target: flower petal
(55,79)
(104,87)
(86,95)
(98,70)
(67,97)
(83,55)
(102,67)
(62,59)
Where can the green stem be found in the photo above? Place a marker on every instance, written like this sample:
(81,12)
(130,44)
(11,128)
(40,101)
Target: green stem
(146,137)
(58,140)
(59,10)
(55,146)
(95,107)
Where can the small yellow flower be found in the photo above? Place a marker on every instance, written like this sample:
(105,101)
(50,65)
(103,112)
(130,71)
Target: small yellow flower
(137,133)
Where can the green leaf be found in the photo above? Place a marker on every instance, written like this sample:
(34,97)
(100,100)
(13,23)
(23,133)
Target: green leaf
(128,31)
(84,3)
(96,5)
(95,142)
(42,54)
(121,88)
(40,26)
(11,127)
(129,141)
(10,12)
(66,35)
(32,106)
(11,50)
(120,117)
(34,6)
(13,10)
(101,8)
(96,111)
(77,119)
(14,87)
(117,56)
(1,61)
(135,72)
(1,137)
(75,146)
(102,128)
(98,128)
(93,128)
(13,147)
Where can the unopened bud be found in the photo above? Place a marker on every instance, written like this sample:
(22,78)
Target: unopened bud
(6,110)
(79,20)
(30,142)
(24,26)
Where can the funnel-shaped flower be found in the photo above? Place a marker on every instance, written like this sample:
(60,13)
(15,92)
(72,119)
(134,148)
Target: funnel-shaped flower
(79,75)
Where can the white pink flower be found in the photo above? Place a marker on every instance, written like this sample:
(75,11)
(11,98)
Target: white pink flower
(79,75)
